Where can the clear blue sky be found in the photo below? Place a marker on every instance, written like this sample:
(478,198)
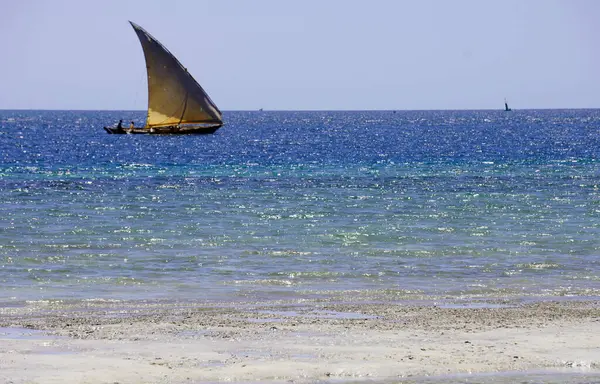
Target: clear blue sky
(306,54)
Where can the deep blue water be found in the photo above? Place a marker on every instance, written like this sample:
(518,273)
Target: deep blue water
(414,204)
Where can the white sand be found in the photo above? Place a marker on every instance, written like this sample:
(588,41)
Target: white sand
(168,343)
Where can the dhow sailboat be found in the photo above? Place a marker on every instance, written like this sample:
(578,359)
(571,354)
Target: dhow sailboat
(177,104)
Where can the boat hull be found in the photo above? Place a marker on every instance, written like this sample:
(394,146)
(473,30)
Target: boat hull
(163,130)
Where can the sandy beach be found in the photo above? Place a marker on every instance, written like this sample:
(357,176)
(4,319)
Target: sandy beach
(136,342)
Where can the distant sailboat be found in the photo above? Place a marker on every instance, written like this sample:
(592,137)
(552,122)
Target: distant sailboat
(506,109)
(177,104)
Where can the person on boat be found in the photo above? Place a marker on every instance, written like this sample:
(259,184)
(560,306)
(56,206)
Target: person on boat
(120,125)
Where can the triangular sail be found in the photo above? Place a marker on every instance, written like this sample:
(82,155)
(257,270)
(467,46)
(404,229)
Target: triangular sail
(174,96)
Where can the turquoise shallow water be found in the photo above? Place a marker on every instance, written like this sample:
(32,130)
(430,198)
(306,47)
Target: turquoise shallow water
(414,204)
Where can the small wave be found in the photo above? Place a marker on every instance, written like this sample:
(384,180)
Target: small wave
(280,282)
(100,300)
(43,302)
(317,274)
(290,252)
(538,265)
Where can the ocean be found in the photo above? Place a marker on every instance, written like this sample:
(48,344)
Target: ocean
(445,206)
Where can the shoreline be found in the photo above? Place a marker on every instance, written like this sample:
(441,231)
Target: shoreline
(299,341)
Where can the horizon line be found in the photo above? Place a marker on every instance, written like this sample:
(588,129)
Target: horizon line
(306,110)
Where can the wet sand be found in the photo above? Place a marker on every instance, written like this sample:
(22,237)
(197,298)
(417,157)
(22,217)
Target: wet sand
(300,342)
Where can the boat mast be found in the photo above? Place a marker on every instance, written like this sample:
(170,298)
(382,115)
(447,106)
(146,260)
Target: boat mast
(184,108)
